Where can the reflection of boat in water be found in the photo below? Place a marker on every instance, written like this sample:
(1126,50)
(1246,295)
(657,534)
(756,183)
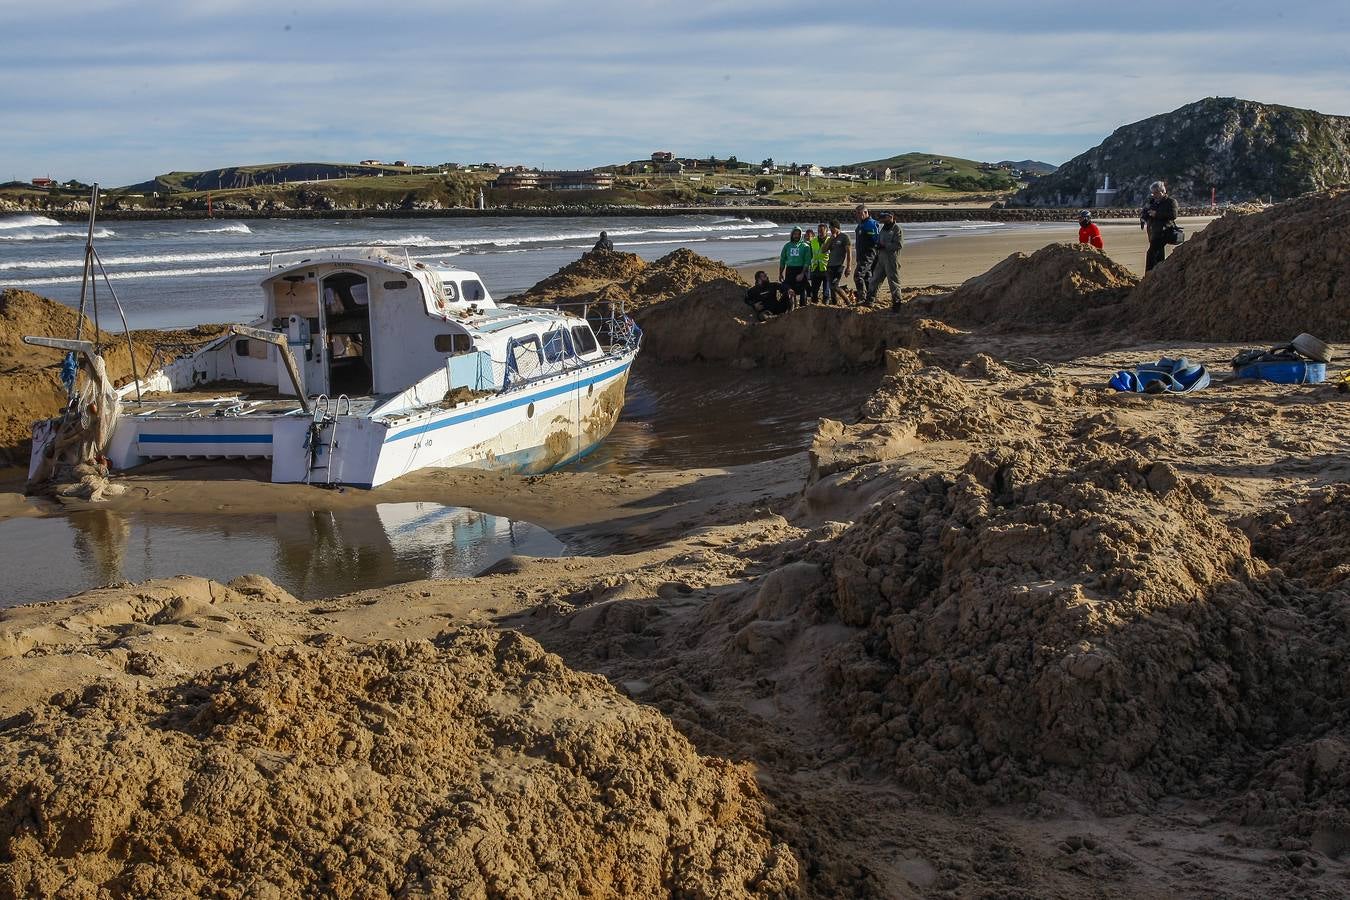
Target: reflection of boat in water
(364,366)
(311,553)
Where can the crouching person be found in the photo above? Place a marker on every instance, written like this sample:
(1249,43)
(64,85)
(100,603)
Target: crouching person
(767,298)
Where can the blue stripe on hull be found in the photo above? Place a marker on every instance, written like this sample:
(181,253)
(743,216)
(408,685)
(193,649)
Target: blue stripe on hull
(522,400)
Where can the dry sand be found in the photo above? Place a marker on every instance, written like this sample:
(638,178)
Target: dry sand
(1003,635)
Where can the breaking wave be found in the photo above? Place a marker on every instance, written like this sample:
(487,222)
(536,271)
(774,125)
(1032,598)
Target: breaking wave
(27,222)
(236,228)
(57,235)
(137,273)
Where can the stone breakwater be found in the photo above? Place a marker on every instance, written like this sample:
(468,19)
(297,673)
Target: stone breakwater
(786,213)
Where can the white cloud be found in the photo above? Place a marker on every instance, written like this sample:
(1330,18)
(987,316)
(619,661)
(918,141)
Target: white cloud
(133,90)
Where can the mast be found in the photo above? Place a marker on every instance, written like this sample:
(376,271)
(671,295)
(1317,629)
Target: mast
(88,257)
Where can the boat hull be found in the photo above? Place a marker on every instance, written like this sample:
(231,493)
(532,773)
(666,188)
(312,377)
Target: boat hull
(533,428)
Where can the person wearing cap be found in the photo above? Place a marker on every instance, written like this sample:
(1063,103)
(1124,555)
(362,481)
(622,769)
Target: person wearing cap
(1158,216)
(887,266)
(1088,232)
(865,238)
(794,261)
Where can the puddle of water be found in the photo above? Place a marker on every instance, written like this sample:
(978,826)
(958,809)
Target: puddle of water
(695,416)
(674,417)
(309,553)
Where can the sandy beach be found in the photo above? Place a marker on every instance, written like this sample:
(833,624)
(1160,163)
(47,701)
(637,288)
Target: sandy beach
(994,630)
(951,260)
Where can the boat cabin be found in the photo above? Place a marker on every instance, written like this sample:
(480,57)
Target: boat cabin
(371,321)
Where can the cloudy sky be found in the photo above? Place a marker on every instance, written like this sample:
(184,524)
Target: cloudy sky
(121,91)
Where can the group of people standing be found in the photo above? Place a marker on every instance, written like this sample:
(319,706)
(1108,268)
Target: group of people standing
(813,266)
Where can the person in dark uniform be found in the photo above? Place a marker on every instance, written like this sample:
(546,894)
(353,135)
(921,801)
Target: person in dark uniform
(765,297)
(865,239)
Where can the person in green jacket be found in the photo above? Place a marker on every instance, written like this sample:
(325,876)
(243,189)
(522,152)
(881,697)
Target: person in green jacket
(794,262)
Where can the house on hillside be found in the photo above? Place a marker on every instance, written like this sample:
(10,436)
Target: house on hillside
(43,182)
(371,162)
(578,180)
(517,181)
(662,156)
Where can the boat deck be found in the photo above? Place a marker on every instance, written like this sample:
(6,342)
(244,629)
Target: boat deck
(201,405)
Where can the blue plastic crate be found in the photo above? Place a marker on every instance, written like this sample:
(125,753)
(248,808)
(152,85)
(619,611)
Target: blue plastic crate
(1291,372)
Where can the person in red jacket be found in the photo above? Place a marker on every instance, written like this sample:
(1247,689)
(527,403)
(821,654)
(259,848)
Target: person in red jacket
(1088,232)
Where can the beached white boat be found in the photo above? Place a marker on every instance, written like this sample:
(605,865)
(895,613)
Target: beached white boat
(366,365)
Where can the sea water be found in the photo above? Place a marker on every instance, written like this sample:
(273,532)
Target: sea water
(177,273)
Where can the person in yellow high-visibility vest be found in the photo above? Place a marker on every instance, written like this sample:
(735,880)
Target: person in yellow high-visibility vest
(820,255)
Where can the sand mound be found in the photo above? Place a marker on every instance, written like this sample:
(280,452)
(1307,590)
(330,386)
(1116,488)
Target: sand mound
(1053,285)
(676,273)
(580,279)
(1255,277)
(475,765)
(603,277)
(1083,626)
(711,323)
(935,405)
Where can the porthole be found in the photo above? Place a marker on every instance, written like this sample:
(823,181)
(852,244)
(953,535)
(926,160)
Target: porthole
(529,411)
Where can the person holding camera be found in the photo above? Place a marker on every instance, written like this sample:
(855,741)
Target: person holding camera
(1159,219)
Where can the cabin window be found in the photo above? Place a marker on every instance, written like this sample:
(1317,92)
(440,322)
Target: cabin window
(584,339)
(241,347)
(395,285)
(557,345)
(524,357)
(453,343)
(473,290)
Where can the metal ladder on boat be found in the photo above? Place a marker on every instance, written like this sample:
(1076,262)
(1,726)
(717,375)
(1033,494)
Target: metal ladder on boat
(321,442)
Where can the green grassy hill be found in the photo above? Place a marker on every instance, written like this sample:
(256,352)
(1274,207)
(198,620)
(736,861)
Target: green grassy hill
(951,172)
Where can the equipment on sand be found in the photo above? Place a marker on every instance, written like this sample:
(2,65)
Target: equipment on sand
(1166,376)
(1311,347)
(1301,361)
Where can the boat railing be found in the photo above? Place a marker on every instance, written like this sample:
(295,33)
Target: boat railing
(615,331)
(378,253)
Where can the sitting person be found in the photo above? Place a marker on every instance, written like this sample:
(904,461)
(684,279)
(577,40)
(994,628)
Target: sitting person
(604,243)
(766,297)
